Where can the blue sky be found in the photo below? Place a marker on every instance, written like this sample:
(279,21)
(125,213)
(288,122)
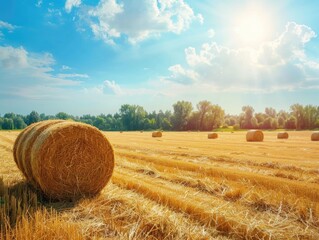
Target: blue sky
(90,57)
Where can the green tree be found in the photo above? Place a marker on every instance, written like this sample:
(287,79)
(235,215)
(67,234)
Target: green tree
(246,117)
(132,117)
(100,123)
(19,122)
(62,115)
(297,111)
(291,123)
(8,124)
(267,123)
(32,117)
(270,112)
(181,114)
(204,107)
(216,116)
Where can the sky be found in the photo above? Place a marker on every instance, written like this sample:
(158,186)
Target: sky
(92,56)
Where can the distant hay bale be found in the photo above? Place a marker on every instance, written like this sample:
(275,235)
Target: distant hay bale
(66,160)
(212,135)
(254,136)
(315,136)
(157,134)
(282,135)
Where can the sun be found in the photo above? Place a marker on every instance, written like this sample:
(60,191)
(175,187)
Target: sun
(252,27)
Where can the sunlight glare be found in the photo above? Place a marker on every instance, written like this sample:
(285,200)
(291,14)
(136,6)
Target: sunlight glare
(252,27)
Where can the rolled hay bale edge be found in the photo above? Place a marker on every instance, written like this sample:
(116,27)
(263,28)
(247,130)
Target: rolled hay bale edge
(157,134)
(67,160)
(254,136)
(315,136)
(282,135)
(27,144)
(212,135)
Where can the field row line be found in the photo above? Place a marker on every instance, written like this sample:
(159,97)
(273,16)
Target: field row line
(308,190)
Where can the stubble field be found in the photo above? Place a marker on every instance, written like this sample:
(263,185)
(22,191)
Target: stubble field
(185,186)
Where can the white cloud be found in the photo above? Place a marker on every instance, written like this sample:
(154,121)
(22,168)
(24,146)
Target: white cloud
(64,68)
(7,26)
(181,75)
(211,33)
(115,88)
(72,75)
(39,3)
(138,20)
(69,4)
(276,65)
(24,73)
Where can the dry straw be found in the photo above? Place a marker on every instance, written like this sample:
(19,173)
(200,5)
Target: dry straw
(282,135)
(254,136)
(157,134)
(212,135)
(66,160)
(315,136)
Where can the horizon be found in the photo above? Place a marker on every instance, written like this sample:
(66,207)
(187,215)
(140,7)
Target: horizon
(91,57)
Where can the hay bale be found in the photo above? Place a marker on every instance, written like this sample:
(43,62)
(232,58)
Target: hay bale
(66,160)
(254,136)
(17,145)
(157,134)
(282,135)
(315,136)
(27,144)
(212,135)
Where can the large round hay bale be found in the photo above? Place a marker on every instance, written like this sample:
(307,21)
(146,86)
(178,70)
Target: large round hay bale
(282,135)
(66,160)
(315,136)
(212,135)
(254,136)
(157,134)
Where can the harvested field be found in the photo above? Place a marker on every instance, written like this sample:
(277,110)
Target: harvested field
(184,186)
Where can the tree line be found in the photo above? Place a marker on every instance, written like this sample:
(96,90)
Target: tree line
(204,117)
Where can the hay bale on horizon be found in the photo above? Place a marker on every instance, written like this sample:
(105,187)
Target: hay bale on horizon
(157,134)
(282,135)
(66,160)
(315,136)
(212,135)
(254,136)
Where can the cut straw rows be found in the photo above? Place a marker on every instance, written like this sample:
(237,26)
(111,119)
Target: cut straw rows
(308,190)
(211,210)
(196,208)
(257,198)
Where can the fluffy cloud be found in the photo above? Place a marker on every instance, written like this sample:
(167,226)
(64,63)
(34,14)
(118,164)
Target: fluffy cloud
(23,72)
(69,4)
(138,20)
(276,65)
(115,88)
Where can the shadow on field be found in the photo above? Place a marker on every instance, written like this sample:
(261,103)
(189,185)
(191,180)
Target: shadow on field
(23,200)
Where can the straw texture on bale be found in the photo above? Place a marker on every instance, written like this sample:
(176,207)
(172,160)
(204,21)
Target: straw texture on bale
(315,136)
(157,134)
(66,160)
(254,136)
(212,135)
(282,135)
